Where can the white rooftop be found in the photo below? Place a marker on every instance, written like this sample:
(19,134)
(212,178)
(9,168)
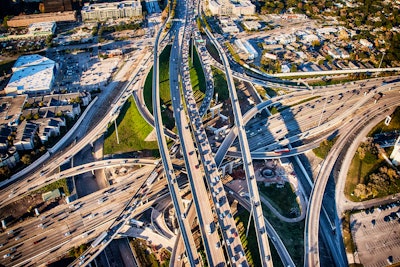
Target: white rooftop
(31,73)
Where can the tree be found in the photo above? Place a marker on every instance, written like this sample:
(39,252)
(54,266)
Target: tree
(315,43)
(26,159)
(4,172)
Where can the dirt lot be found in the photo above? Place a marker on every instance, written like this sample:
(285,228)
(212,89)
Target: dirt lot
(23,209)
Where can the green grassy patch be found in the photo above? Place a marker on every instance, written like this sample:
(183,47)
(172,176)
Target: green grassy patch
(273,110)
(220,84)
(324,148)
(132,131)
(59,184)
(283,199)
(165,94)
(292,235)
(305,100)
(197,78)
(271,92)
(142,254)
(280,108)
(370,176)
(232,51)
(250,247)
(393,125)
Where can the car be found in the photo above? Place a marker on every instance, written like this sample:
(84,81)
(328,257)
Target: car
(7,255)
(17,238)
(67,234)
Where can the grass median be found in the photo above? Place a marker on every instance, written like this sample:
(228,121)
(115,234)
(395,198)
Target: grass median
(132,132)
(165,94)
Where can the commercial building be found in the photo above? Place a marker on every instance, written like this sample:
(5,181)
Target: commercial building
(286,38)
(252,25)
(114,10)
(42,28)
(32,75)
(245,47)
(228,26)
(231,7)
(26,20)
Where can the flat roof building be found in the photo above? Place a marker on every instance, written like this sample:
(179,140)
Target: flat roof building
(42,28)
(26,20)
(246,48)
(32,74)
(114,10)
(231,7)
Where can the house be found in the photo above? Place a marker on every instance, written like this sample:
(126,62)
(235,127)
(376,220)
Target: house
(366,43)
(11,108)
(26,132)
(5,132)
(50,127)
(9,157)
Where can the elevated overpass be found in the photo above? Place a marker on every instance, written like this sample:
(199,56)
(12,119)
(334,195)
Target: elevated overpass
(257,212)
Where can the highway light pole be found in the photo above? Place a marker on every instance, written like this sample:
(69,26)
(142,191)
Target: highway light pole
(251,212)
(322,113)
(191,57)
(116,130)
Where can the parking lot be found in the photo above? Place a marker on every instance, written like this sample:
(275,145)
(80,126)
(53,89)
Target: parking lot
(376,234)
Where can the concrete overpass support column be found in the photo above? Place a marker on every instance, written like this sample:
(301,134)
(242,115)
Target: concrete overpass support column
(230,166)
(388,120)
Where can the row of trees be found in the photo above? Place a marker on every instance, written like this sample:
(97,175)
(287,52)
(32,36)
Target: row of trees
(383,181)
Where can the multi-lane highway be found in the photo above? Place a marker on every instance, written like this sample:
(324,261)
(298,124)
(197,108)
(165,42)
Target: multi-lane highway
(22,188)
(257,211)
(191,251)
(222,209)
(58,229)
(202,205)
(313,214)
(343,109)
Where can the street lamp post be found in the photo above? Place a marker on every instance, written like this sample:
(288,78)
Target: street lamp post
(251,213)
(322,113)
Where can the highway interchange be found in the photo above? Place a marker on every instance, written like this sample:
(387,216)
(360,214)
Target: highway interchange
(342,109)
